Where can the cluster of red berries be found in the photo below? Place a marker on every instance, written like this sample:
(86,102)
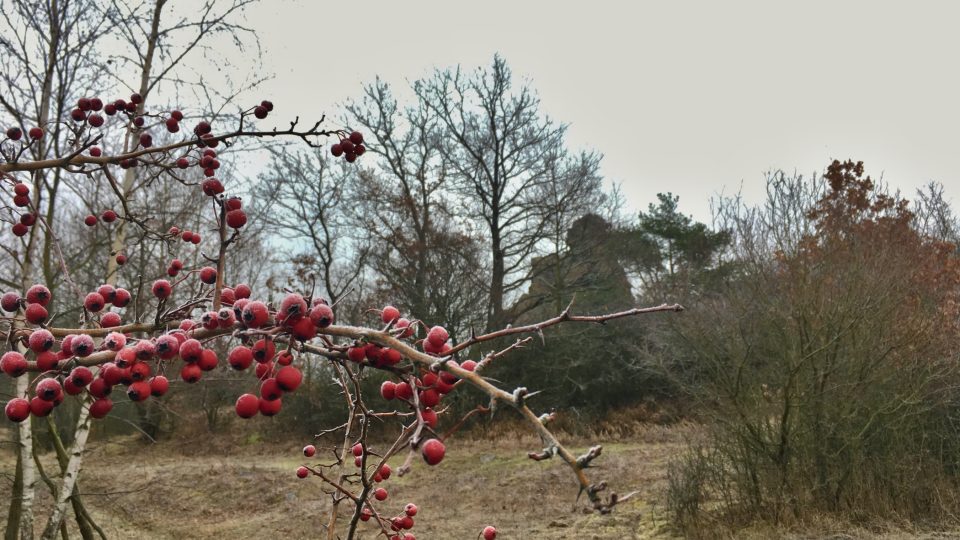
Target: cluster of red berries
(108,216)
(134,360)
(57,380)
(15,133)
(88,110)
(350,148)
(208,161)
(261,110)
(186,236)
(21,198)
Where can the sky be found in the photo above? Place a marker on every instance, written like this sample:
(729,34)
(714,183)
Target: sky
(695,98)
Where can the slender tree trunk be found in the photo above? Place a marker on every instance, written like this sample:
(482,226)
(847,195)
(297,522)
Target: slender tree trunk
(496,284)
(16,495)
(28,474)
(130,176)
(72,472)
(83,522)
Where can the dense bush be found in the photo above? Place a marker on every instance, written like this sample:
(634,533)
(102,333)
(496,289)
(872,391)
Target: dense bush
(825,364)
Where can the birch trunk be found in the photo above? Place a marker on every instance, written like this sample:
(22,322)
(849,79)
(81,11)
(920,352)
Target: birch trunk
(28,472)
(72,472)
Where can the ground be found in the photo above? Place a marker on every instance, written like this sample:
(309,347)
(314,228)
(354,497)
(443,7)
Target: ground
(214,488)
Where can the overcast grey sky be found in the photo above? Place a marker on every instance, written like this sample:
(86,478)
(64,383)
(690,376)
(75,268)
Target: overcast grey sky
(689,97)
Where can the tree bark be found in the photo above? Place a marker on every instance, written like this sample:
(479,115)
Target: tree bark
(72,472)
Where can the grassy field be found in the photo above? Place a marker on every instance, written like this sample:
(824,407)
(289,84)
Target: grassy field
(214,488)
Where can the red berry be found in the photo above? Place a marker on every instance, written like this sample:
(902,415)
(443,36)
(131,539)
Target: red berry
(347,146)
(284,358)
(208,360)
(433,451)
(309,450)
(78,115)
(264,350)
(356,137)
(270,407)
(240,358)
(172,125)
(208,275)
(410,509)
(212,186)
(388,389)
(167,346)
(122,297)
(242,291)
(489,532)
(236,219)
(322,315)
(359,150)
(41,340)
(35,313)
(176,115)
(146,140)
(109,216)
(49,390)
(95,120)
(161,288)
(190,351)
(28,219)
(389,314)
(289,378)
(264,370)
(255,314)
(94,302)
(10,302)
(304,329)
(114,341)
(429,417)
(46,361)
(302,472)
(350,157)
(81,345)
(438,336)
(268,105)
(270,390)
(183,163)
(95,151)
(159,386)
(101,407)
(404,391)
(357,450)
(136,98)
(90,220)
(81,376)
(260,112)
(21,189)
(14,133)
(41,408)
(336,150)
(17,410)
(380,494)
(121,259)
(247,406)
(292,308)
(19,229)
(13,364)
(190,373)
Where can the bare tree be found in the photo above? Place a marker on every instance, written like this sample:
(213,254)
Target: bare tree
(501,151)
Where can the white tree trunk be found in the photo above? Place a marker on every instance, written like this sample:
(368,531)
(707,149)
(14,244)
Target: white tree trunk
(72,472)
(26,460)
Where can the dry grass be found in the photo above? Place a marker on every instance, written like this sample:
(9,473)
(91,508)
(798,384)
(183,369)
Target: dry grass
(219,488)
